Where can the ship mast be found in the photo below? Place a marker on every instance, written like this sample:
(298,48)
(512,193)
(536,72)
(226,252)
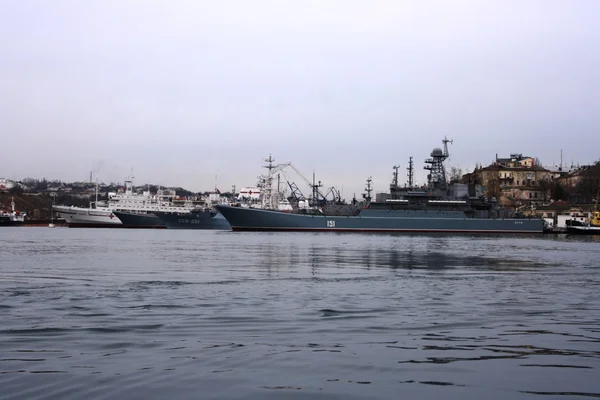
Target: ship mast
(446,141)
(395,180)
(368,189)
(437,175)
(315,190)
(267,198)
(410,173)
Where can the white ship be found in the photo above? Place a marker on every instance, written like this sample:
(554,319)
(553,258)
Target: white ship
(87,217)
(101,213)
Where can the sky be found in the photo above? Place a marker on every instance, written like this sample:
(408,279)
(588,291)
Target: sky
(197,93)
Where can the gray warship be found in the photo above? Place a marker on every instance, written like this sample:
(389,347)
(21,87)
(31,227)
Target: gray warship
(437,207)
(196,219)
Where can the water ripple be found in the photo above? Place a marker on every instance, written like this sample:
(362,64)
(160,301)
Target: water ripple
(138,314)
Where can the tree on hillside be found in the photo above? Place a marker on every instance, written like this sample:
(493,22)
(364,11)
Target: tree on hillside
(183,192)
(16,190)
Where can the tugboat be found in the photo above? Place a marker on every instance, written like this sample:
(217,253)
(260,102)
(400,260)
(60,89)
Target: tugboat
(591,228)
(15,217)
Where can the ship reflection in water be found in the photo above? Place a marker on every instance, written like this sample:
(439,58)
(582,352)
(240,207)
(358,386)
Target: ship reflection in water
(218,314)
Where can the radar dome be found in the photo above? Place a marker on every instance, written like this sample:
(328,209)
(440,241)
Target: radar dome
(437,152)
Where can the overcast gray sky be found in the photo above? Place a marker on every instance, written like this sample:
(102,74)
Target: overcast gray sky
(182,91)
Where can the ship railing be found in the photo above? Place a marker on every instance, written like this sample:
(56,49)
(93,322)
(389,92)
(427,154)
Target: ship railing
(447,201)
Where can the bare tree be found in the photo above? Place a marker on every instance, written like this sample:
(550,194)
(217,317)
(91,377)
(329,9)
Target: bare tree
(546,186)
(455,175)
(588,187)
(558,192)
(493,187)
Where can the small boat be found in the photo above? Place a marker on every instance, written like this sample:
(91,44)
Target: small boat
(590,228)
(14,217)
(578,228)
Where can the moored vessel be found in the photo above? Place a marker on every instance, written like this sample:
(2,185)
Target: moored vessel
(136,209)
(12,218)
(592,227)
(438,207)
(88,217)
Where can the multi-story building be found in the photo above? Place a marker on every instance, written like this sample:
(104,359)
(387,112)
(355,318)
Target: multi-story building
(582,184)
(514,181)
(6,184)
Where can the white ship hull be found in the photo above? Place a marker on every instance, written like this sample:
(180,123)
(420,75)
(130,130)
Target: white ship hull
(77,216)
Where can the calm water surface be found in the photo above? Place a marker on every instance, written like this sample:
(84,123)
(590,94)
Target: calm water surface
(105,314)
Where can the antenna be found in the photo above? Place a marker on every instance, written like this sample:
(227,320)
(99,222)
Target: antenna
(561,162)
(315,189)
(446,141)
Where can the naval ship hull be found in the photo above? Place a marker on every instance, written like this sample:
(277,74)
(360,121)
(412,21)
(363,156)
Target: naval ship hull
(194,220)
(139,221)
(252,219)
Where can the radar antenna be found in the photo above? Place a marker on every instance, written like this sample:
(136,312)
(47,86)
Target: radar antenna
(437,175)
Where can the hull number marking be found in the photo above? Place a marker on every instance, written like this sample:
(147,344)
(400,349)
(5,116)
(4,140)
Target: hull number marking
(331,224)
